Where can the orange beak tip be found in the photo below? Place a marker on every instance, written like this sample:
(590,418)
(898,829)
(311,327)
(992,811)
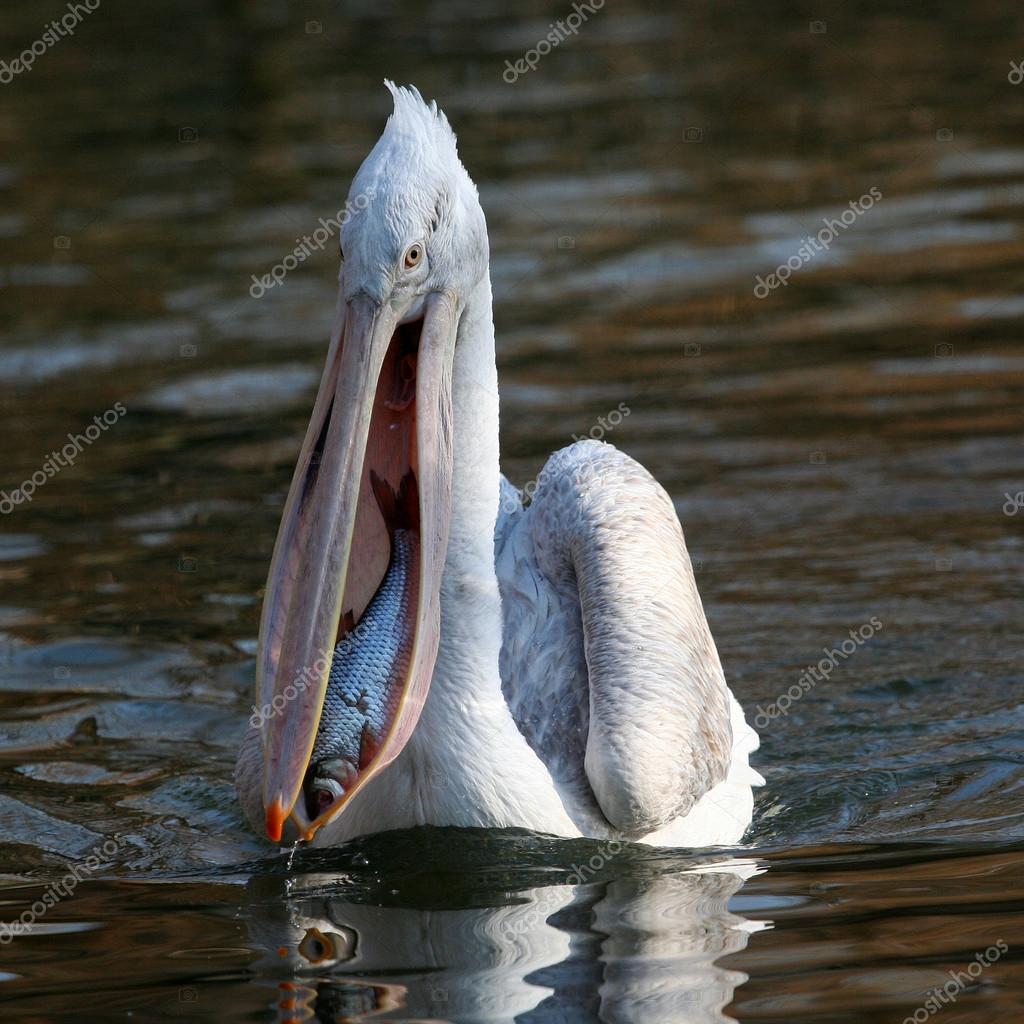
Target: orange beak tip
(275,821)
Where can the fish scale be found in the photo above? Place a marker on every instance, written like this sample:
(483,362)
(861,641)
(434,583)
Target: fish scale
(368,670)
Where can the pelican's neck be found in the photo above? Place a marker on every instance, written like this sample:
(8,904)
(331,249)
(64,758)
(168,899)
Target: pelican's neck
(467,660)
(474,502)
(473,764)
(466,762)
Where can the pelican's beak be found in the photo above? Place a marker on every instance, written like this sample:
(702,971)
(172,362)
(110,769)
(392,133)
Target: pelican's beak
(384,406)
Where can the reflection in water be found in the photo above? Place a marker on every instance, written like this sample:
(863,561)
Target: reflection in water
(633,948)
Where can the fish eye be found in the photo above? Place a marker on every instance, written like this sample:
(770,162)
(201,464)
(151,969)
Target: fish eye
(324,793)
(316,947)
(323,947)
(413,256)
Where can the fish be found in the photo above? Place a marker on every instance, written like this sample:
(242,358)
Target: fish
(371,662)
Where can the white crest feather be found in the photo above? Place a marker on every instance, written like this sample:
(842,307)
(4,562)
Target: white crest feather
(414,116)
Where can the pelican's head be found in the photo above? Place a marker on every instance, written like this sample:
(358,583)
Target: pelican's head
(414,223)
(414,246)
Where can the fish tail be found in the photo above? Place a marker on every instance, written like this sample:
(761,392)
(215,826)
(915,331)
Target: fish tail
(401,508)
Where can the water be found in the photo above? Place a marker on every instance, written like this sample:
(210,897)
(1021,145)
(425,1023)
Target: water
(840,450)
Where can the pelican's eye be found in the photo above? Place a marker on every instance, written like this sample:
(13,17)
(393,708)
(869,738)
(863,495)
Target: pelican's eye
(413,256)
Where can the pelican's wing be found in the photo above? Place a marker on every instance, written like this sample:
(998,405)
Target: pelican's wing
(607,660)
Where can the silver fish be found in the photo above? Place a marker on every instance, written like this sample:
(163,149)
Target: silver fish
(370,664)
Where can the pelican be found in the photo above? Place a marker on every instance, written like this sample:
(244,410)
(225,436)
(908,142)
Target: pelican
(562,677)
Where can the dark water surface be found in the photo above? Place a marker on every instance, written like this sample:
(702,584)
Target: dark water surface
(847,448)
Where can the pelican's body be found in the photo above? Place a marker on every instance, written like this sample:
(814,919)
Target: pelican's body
(564,679)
